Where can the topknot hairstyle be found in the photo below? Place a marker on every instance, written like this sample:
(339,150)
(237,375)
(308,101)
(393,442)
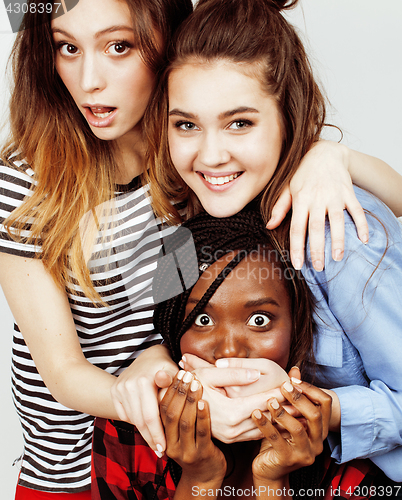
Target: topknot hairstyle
(213,238)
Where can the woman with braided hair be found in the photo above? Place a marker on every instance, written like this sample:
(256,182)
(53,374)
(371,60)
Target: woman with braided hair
(239,108)
(248,302)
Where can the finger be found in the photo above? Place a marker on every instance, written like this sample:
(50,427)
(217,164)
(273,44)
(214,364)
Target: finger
(337,224)
(298,435)
(203,424)
(316,232)
(221,377)
(309,407)
(163,379)
(280,209)
(191,362)
(294,372)
(175,409)
(187,423)
(269,431)
(359,217)
(321,399)
(297,234)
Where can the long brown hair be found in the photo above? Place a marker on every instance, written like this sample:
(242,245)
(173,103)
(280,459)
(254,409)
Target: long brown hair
(73,170)
(240,31)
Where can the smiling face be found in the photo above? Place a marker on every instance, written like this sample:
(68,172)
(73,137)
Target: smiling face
(225,136)
(100,64)
(248,316)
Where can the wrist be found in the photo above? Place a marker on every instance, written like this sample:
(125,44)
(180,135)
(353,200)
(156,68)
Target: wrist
(272,488)
(190,487)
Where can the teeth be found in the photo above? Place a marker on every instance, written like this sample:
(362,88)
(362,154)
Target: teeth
(220,180)
(101,115)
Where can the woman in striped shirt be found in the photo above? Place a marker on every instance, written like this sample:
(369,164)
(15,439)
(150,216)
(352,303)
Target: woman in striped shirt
(78,238)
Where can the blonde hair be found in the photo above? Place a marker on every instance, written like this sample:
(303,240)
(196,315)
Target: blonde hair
(73,170)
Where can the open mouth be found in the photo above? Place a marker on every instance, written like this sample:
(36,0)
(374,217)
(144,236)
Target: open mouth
(102,112)
(221,180)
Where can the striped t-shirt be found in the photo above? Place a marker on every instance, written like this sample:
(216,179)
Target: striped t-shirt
(57,440)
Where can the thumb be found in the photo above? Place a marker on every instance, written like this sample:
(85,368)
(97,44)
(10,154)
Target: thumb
(163,379)
(280,209)
(294,372)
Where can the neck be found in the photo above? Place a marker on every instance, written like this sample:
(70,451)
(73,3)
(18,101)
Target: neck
(130,157)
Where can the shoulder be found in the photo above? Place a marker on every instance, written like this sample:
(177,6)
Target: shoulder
(15,176)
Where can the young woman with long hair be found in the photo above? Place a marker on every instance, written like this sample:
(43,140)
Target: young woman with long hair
(79,240)
(237,108)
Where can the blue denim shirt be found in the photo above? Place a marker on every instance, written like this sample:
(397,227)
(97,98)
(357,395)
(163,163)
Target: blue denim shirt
(358,344)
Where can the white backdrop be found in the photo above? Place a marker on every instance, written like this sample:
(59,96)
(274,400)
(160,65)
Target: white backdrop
(355,48)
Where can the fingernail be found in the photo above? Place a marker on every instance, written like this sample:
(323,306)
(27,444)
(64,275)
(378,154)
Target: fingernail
(195,385)
(159,447)
(201,405)
(297,264)
(181,364)
(318,265)
(187,377)
(158,454)
(180,374)
(257,414)
(338,254)
(288,386)
(184,358)
(253,374)
(365,238)
(274,404)
(295,380)
(222,363)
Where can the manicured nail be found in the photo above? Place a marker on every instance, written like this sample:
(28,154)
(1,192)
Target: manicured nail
(195,385)
(257,414)
(201,405)
(187,377)
(365,238)
(274,404)
(318,265)
(297,264)
(222,363)
(288,386)
(180,374)
(338,254)
(253,374)
(158,454)
(295,380)
(159,447)
(184,358)
(181,364)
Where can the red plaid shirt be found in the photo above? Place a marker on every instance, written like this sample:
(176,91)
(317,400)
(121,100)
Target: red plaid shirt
(124,467)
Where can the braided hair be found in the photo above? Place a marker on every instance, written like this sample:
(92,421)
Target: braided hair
(213,238)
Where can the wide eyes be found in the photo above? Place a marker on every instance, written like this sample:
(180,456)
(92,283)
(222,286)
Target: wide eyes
(258,320)
(203,320)
(68,49)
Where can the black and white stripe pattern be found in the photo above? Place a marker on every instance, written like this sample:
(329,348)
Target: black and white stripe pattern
(57,439)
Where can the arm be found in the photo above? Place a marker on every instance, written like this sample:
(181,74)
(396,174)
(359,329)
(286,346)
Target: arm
(42,312)
(359,340)
(323,185)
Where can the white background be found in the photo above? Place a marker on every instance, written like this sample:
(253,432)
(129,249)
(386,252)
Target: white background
(355,47)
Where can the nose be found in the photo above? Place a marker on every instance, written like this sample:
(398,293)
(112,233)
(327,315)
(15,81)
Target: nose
(93,77)
(212,151)
(231,346)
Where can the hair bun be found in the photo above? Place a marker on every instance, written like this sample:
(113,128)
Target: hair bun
(284,4)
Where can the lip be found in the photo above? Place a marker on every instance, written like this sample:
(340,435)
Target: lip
(99,122)
(219,187)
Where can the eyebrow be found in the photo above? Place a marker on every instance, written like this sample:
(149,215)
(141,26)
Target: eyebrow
(225,114)
(251,303)
(111,29)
